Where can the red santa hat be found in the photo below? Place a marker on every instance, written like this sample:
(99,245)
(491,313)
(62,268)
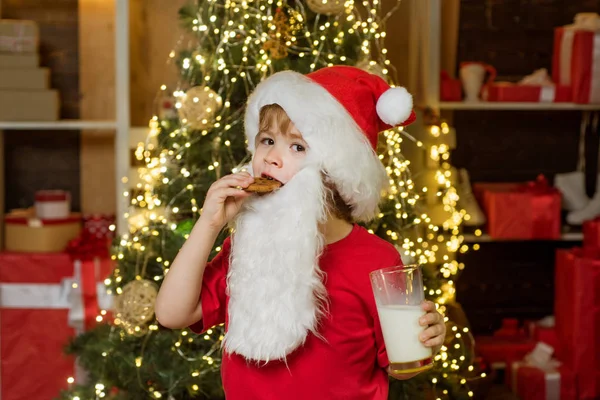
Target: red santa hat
(340,111)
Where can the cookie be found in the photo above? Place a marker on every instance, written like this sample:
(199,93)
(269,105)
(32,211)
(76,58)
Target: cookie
(263,185)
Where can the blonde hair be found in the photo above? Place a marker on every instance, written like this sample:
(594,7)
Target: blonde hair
(274,115)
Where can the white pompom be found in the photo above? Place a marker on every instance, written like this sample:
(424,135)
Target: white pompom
(395,106)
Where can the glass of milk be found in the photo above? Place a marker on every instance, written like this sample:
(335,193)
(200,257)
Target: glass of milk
(398,294)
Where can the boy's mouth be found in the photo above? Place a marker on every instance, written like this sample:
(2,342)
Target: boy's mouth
(267,176)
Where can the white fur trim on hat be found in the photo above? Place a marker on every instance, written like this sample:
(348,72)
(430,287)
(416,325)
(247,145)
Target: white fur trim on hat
(394,106)
(333,137)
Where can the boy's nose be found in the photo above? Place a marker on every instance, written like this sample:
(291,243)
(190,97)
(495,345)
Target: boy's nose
(273,158)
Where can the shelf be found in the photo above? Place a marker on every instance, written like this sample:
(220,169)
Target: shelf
(518,106)
(565,237)
(71,124)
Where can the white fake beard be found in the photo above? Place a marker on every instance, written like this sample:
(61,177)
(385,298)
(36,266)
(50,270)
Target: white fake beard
(275,286)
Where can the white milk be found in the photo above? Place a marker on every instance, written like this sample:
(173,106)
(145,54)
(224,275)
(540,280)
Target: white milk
(401,329)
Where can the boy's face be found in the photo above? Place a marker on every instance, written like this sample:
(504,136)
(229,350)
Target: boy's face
(279,155)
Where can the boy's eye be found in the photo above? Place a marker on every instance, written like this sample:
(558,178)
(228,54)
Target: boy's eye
(298,147)
(268,141)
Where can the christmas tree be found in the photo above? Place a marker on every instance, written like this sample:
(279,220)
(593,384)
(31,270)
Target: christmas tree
(236,44)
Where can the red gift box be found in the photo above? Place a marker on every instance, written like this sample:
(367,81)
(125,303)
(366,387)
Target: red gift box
(521,211)
(450,89)
(576,62)
(502,351)
(510,92)
(44,300)
(577,311)
(534,383)
(591,238)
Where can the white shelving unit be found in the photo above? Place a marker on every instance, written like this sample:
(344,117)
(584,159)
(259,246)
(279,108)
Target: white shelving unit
(119,127)
(485,238)
(70,124)
(483,105)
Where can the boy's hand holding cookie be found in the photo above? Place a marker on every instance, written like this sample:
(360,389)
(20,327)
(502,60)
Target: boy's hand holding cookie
(224,199)
(433,336)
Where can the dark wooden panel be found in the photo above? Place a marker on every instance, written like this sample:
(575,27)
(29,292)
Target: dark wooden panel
(500,50)
(515,36)
(40,160)
(498,146)
(507,282)
(576,6)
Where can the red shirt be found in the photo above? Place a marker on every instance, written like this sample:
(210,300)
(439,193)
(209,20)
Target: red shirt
(349,364)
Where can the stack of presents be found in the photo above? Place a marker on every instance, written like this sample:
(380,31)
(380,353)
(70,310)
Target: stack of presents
(25,93)
(557,357)
(574,77)
(52,273)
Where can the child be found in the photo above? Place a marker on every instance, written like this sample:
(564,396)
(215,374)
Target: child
(292,285)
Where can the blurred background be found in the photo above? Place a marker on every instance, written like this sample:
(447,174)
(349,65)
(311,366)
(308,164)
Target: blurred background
(116,115)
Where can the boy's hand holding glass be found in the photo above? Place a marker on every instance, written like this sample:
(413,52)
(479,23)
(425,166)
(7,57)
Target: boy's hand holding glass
(412,328)
(435,332)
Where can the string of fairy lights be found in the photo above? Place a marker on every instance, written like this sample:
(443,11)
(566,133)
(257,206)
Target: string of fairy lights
(264,36)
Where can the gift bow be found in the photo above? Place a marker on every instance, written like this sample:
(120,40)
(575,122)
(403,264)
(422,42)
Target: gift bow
(538,187)
(539,77)
(541,357)
(587,22)
(87,247)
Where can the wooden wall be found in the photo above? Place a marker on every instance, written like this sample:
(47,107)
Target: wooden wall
(153,32)
(97,86)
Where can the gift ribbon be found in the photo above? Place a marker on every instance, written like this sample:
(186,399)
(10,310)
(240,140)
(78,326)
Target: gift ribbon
(547,94)
(566,54)
(17,41)
(595,78)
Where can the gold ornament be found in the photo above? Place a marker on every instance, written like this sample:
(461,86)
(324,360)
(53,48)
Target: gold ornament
(327,7)
(277,49)
(279,35)
(198,106)
(135,306)
(373,68)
